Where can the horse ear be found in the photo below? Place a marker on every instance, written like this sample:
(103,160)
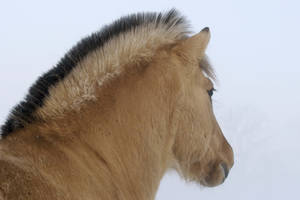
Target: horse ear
(195,45)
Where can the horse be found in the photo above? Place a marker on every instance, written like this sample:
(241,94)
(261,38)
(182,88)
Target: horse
(122,107)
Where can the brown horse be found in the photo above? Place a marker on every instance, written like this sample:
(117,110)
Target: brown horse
(122,107)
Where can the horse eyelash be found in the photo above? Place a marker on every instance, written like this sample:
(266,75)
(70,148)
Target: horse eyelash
(211,92)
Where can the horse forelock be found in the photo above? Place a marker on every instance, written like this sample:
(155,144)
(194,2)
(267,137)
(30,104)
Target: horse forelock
(92,62)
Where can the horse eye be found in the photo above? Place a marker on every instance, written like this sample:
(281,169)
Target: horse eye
(211,92)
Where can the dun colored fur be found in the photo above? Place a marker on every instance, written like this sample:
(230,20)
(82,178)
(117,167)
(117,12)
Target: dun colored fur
(121,108)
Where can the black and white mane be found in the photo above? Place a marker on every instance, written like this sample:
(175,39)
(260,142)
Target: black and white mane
(24,112)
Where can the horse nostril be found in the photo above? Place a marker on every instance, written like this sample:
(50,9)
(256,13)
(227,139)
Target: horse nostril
(225,168)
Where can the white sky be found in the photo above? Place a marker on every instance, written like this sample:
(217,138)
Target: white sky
(254,49)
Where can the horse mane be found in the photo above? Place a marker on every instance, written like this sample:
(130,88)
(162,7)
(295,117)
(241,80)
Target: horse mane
(91,62)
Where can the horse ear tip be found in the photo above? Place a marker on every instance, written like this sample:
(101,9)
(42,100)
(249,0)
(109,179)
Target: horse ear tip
(206,29)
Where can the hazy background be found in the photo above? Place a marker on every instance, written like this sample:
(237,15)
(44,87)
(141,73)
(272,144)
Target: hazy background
(254,49)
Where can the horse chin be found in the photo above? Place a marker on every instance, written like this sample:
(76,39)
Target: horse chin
(215,177)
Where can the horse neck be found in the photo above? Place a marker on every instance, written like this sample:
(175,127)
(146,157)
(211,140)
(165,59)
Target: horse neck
(125,136)
(133,135)
(129,129)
